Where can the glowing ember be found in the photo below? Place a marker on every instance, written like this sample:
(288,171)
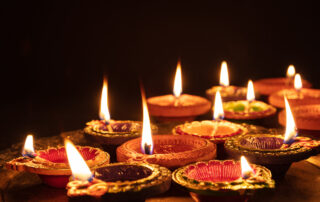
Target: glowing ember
(250,91)
(291,71)
(104,110)
(218,108)
(177,88)
(146,140)
(79,168)
(28,150)
(291,130)
(224,76)
(246,170)
(297,82)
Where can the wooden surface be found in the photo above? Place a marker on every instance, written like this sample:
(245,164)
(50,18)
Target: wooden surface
(301,183)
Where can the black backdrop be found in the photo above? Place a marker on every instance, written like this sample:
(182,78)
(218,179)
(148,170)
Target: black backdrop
(54,54)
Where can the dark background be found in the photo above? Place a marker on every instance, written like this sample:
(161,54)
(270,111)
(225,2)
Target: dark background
(54,54)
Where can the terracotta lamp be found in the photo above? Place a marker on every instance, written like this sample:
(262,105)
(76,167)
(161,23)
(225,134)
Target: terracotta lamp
(228,93)
(217,130)
(111,133)
(227,180)
(274,151)
(307,117)
(296,96)
(249,109)
(272,85)
(180,107)
(170,151)
(51,164)
(115,182)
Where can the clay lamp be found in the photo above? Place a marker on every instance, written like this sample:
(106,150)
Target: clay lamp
(177,107)
(216,130)
(170,151)
(274,151)
(111,133)
(271,85)
(297,96)
(228,93)
(227,180)
(51,164)
(307,118)
(249,109)
(114,182)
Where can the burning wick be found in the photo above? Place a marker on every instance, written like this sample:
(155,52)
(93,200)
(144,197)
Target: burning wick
(298,84)
(250,94)
(104,110)
(246,170)
(291,130)
(28,150)
(177,87)
(224,76)
(147,148)
(290,74)
(218,113)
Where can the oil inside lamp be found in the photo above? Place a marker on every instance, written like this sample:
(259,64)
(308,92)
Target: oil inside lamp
(291,130)
(291,72)
(79,168)
(224,76)
(218,113)
(246,170)
(177,87)
(146,140)
(28,150)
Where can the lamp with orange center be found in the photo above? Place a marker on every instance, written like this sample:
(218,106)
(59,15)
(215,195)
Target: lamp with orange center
(146,139)
(28,150)
(246,170)
(177,106)
(79,168)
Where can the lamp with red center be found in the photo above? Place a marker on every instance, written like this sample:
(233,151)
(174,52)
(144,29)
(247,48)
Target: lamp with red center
(177,106)
(227,92)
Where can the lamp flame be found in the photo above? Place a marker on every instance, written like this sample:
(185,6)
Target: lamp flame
(79,168)
(177,88)
(297,82)
(291,71)
(224,76)
(104,110)
(250,91)
(246,170)
(291,130)
(146,139)
(218,107)
(28,150)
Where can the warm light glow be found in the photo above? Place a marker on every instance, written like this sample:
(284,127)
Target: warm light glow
(291,71)
(246,169)
(104,110)
(224,76)
(291,130)
(177,88)
(297,82)
(79,168)
(146,139)
(28,146)
(250,91)
(218,113)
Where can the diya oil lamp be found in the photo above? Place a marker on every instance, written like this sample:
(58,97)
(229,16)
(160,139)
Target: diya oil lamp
(274,151)
(170,151)
(179,107)
(114,182)
(249,109)
(307,118)
(111,133)
(216,130)
(271,85)
(227,180)
(228,93)
(296,96)
(51,164)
